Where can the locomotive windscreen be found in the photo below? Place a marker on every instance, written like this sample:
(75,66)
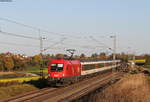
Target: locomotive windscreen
(56,67)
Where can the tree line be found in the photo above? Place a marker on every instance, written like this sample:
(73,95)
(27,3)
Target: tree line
(11,62)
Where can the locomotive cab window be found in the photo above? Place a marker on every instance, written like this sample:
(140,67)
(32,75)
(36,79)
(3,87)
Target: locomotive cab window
(57,67)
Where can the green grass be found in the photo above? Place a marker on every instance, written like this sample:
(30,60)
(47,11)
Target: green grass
(34,68)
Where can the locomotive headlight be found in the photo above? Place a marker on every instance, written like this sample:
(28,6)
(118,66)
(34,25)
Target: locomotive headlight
(63,74)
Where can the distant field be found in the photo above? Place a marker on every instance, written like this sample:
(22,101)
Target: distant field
(36,70)
(28,69)
(20,76)
(32,69)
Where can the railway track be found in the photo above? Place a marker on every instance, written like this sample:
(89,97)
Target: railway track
(29,95)
(68,93)
(82,89)
(104,83)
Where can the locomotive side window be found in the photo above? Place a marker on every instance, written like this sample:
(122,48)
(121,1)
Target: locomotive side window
(57,67)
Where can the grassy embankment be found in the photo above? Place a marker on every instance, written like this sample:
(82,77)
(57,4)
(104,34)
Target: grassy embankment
(132,88)
(6,92)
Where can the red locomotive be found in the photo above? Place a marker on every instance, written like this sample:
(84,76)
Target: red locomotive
(68,71)
(64,71)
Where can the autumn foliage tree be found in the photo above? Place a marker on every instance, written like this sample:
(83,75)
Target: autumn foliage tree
(9,63)
(19,62)
(1,62)
(37,60)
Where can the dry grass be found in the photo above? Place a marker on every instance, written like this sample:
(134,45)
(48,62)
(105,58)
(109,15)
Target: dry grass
(6,92)
(133,88)
(5,73)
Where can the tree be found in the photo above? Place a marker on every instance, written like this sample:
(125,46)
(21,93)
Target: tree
(102,56)
(82,55)
(94,56)
(1,62)
(59,56)
(19,62)
(37,59)
(9,63)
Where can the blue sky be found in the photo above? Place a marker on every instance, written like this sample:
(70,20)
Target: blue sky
(78,19)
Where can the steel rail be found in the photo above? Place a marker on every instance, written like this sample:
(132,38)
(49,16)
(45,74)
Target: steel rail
(29,95)
(102,84)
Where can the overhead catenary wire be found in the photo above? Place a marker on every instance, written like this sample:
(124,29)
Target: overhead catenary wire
(28,26)
(11,21)
(43,30)
(94,47)
(17,35)
(35,28)
(104,45)
(56,43)
(15,44)
(28,37)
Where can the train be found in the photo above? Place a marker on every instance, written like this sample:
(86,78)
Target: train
(64,72)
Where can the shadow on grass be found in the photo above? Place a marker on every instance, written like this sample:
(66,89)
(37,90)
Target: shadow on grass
(41,83)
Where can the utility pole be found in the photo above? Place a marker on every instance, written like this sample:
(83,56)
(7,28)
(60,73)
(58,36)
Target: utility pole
(134,54)
(128,53)
(114,50)
(114,46)
(41,54)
